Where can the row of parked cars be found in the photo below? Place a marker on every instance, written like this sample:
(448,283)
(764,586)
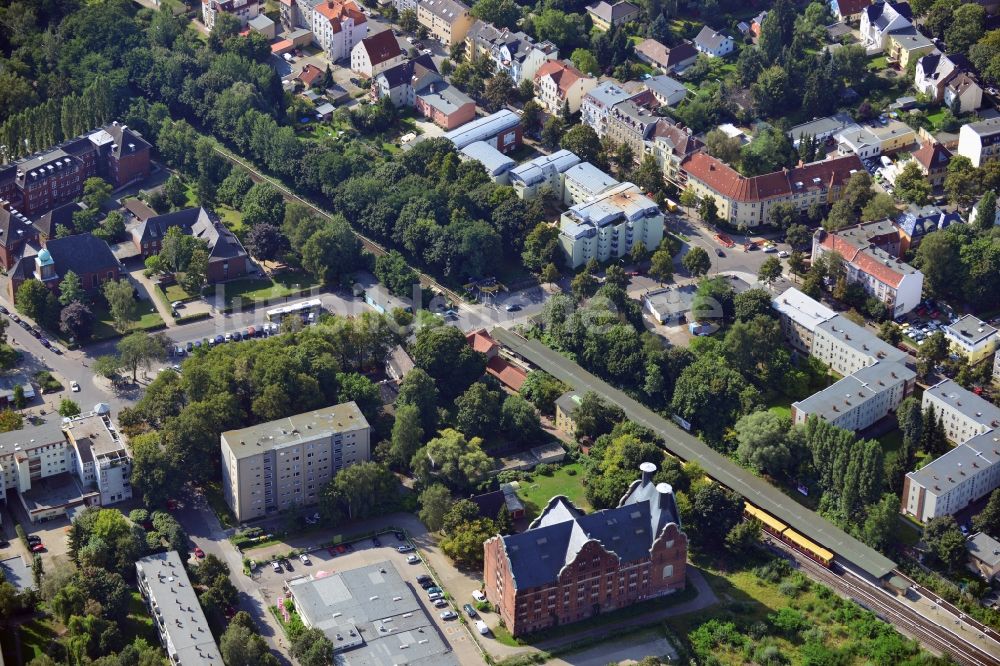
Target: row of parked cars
(34,330)
(262,331)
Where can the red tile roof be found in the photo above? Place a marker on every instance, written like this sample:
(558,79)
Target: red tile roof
(335,12)
(481,341)
(381,47)
(932,155)
(283,46)
(509,375)
(852,7)
(854,254)
(309,75)
(564,75)
(725,180)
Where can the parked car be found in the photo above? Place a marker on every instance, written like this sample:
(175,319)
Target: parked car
(449,615)
(479,596)
(470,611)
(198,552)
(482,628)
(404,549)
(32,539)
(276,566)
(434,589)
(719,252)
(427,584)
(37,548)
(413,559)
(435,596)
(423,578)
(441,603)
(304,559)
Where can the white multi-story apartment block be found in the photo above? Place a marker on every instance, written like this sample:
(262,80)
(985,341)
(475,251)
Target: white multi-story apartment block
(859,400)
(598,102)
(243,10)
(542,173)
(972,338)
(965,415)
(608,226)
(968,472)
(173,602)
(880,273)
(337,26)
(847,347)
(55,466)
(282,464)
(980,141)
(582,182)
(800,315)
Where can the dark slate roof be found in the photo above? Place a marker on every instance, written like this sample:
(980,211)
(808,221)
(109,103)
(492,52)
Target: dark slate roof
(156,227)
(489,503)
(82,253)
(14,227)
(222,243)
(63,215)
(917,222)
(554,539)
(126,140)
(404,72)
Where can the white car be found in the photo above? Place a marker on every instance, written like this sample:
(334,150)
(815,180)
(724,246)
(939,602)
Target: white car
(449,615)
(434,596)
(440,603)
(276,565)
(74,386)
(482,628)
(479,596)
(305,559)
(413,559)
(783,254)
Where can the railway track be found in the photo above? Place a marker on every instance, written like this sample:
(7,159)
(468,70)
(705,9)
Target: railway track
(906,619)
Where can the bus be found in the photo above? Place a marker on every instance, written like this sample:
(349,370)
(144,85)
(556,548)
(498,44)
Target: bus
(304,309)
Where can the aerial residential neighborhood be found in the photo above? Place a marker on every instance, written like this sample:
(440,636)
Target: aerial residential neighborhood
(415,331)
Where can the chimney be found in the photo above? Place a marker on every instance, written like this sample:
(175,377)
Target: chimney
(666,494)
(648,469)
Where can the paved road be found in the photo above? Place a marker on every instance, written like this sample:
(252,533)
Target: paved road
(205,531)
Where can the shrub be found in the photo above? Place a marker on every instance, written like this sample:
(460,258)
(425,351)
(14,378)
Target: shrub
(571,471)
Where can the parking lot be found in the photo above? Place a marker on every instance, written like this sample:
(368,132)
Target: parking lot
(363,553)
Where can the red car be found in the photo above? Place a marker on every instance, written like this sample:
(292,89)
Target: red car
(171,504)
(38,547)
(198,552)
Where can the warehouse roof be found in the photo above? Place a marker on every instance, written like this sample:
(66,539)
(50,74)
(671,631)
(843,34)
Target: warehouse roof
(717,466)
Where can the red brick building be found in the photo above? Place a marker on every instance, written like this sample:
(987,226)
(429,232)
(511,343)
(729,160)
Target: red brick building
(40,182)
(226,257)
(86,255)
(568,566)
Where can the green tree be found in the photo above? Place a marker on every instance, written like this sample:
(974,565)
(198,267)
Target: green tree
(595,417)
(661,266)
(542,390)
(880,207)
(966,28)
(696,261)
(443,353)
(583,141)
(243,646)
(519,418)
(708,210)
(362,490)
(712,513)
(418,389)
(912,185)
(311,647)
(35,301)
(962,182)
(752,303)
(407,435)
(769,271)
(711,395)
(501,13)
(771,91)
(435,501)
(196,273)
(459,463)
(70,288)
(988,520)
(549,274)
(121,303)
(585,61)
(763,443)
(332,251)
(140,350)
(986,211)
(153,473)
(465,545)
(945,541)
(96,192)
(552,132)
(68,408)
(499,89)
(722,146)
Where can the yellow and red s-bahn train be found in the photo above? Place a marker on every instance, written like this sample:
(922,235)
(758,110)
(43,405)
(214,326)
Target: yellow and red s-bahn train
(786,534)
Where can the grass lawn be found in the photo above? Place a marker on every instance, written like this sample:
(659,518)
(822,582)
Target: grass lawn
(47,382)
(781,410)
(232,218)
(878,64)
(566,481)
(175,292)
(104,328)
(36,636)
(139,621)
(262,289)
(213,493)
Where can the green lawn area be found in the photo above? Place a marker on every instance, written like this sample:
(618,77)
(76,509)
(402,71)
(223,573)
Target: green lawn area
(36,636)
(936,116)
(263,289)
(878,64)
(149,319)
(567,480)
(232,218)
(175,292)
(139,621)
(781,410)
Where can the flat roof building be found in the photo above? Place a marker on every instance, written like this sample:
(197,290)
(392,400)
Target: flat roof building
(971,337)
(177,615)
(372,616)
(276,465)
(502,130)
(964,413)
(545,171)
(954,480)
(583,181)
(497,164)
(861,399)
(609,225)
(800,315)
(847,347)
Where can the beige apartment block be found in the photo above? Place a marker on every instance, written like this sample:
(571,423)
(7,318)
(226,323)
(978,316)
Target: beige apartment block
(283,464)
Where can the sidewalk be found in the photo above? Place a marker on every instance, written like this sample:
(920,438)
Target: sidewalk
(147,285)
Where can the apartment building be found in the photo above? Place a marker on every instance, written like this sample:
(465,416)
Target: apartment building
(965,415)
(568,565)
(747,201)
(38,183)
(609,225)
(860,399)
(907,45)
(632,124)
(444,104)
(972,338)
(881,19)
(847,347)
(401,82)
(914,223)
(55,466)
(447,21)
(559,83)
(800,315)
(670,144)
(980,141)
(566,405)
(172,601)
(338,27)
(948,484)
(86,255)
(243,10)
(933,159)
(282,464)
(542,174)
(583,182)
(879,272)
(597,104)
(515,53)
(375,54)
